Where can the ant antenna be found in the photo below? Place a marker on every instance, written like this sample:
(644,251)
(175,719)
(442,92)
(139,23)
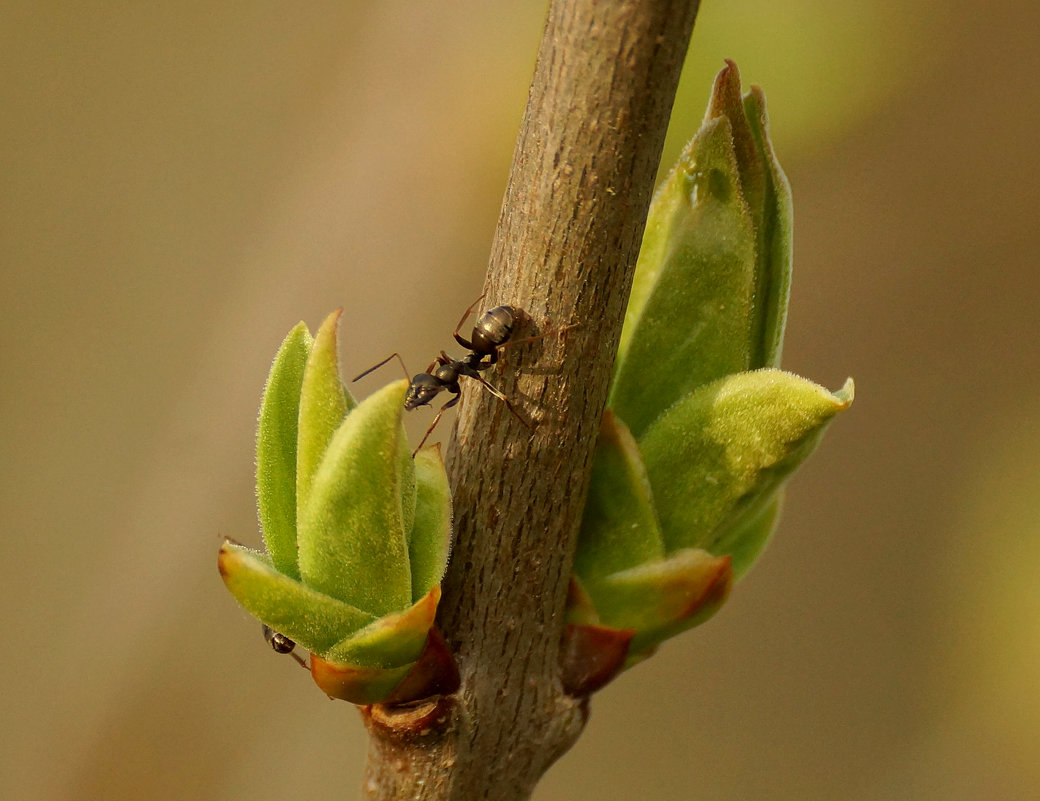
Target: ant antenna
(375,367)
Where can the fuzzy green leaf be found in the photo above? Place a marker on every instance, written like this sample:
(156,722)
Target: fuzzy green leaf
(429,543)
(324,402)
(619,529)
(276,438)
(726,102)
(747,538)
(709,297)
(720,454)
(392,640)
(775,249)
(407,476)
(311,618)
(660,599)
(688,318)
(351,535)
(768,198)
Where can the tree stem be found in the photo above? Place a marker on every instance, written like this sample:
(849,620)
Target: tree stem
(564,252)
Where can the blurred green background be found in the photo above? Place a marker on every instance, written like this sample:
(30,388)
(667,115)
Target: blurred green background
(181,183)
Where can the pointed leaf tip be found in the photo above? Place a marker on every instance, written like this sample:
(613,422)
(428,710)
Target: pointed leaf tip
(324,402)
(847,393)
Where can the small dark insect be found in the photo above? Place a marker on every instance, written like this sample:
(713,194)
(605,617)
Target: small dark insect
(282,644)
(492,332)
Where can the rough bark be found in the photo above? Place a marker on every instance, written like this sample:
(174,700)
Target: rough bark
(564,252)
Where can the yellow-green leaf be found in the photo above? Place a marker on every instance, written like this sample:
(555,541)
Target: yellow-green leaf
(389,641)
(718,456)
(689,315)
(324,402)
(430,540)
(276,439)
(313,619)
(619,529)
(351,534)
(660,599)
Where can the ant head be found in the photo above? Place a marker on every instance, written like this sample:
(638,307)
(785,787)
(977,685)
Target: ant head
(423,389)
(279,642)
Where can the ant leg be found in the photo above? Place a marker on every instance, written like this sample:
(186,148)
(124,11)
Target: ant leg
(467,345)
(300,661)
(436,419)
(498,394)
(561,330)
(440,361)
(375,367)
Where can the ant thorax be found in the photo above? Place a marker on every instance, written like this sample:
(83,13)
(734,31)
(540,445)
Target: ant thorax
(447,374)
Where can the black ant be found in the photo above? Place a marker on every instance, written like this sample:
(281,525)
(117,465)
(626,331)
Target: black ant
(491,333)
(282,645)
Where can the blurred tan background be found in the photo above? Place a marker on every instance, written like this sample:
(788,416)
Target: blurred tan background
(181,183)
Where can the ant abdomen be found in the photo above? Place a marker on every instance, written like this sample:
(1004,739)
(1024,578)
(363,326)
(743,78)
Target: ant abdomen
(493,329)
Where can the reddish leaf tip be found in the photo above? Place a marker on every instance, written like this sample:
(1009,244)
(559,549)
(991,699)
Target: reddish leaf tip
(223,555)
(591,656)
(716,591)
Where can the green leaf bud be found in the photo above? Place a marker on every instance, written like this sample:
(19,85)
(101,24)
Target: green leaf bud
(358,534)
(701,430)
(709,296)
